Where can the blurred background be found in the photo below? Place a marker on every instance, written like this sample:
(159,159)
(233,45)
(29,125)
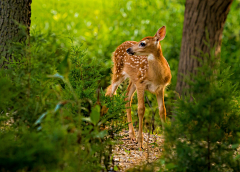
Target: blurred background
(102,25)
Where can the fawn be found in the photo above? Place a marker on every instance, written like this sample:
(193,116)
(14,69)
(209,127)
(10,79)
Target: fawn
(147,69)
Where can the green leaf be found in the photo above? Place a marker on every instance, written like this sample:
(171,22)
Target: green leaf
(95,114)
(87,119)
(101,134)
(115,168)
(39,120)
(170,166)
(237,157)
(56,75)
(65,65)
(234,146)
(155,144)
(58,106)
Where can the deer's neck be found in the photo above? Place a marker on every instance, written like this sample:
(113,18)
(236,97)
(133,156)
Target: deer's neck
(157,57)
(157,64)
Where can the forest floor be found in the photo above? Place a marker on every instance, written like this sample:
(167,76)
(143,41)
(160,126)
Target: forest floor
(127,154)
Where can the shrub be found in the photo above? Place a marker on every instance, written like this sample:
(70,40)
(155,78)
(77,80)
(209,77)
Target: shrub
(204,135)
(49,116)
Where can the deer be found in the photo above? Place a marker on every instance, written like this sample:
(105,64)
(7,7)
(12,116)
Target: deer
(147,69)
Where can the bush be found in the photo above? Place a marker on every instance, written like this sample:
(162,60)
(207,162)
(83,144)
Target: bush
(49,117)
(204,135)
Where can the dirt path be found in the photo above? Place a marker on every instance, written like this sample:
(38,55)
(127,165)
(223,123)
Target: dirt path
(128,155)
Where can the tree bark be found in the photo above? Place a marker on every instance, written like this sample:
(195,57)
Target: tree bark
(200,15)
(13,13)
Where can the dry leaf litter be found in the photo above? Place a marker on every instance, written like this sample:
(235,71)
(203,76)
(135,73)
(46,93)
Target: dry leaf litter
(127,154)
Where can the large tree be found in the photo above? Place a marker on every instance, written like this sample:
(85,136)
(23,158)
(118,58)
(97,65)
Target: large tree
(201,18)
(13,13)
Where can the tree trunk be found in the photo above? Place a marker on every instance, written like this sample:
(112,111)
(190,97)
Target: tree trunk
(13,13)
(200,15)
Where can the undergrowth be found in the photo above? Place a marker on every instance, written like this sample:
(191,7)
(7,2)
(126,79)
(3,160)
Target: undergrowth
(50,110)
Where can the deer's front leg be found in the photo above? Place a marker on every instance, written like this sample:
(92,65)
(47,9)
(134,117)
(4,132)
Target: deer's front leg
(141,111)
(161,106)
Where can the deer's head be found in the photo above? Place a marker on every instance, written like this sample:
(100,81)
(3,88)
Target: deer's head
(148,45)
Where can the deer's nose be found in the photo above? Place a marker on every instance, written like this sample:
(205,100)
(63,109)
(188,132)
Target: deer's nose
(129,51)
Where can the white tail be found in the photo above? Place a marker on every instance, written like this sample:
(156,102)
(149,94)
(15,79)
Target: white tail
(143,63)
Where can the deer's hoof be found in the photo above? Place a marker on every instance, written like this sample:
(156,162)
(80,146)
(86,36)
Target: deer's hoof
(140,146)
(132,138)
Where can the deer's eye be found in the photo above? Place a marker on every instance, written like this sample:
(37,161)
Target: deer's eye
(142,44)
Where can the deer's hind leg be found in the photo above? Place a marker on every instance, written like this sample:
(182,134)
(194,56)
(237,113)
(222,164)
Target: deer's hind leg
(130,91)
(161,106)
(117,77)
(113,87)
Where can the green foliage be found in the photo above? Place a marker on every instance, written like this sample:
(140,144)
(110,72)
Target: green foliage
(28,88)
(84,76)
(29,151)
(231,44)
(204,135)
(49,93)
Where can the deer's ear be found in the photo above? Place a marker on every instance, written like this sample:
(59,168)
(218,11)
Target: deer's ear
(160,35)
